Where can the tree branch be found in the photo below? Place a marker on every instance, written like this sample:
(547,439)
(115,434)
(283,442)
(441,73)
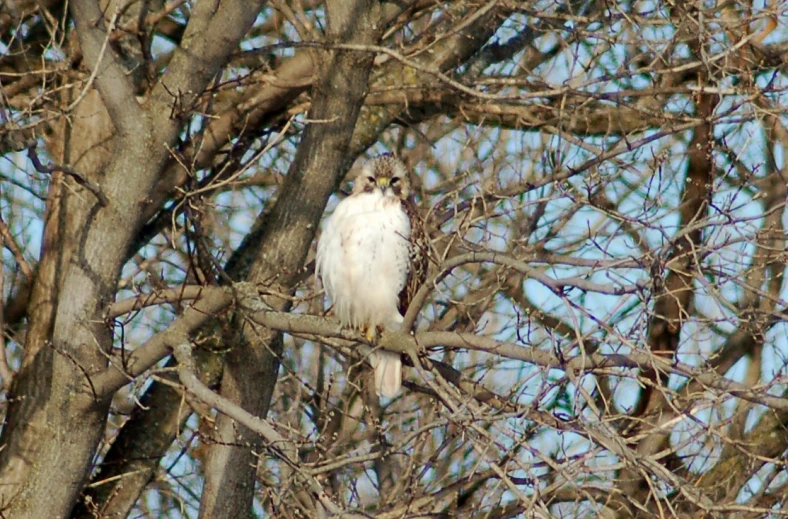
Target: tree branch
(78,177)
(286,234)
(213,33)
(111,79)
(122,371)
(277,444)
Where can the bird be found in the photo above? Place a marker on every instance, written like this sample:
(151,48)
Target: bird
(372,258)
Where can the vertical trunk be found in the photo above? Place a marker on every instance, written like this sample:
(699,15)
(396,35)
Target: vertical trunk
(86,143)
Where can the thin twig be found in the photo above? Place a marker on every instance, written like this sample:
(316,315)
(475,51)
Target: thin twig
(8,239)
(283,448)
(78,177)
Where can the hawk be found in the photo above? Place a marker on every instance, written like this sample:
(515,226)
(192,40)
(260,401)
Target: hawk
(371,259)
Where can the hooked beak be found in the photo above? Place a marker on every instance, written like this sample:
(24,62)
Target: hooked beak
(384,183)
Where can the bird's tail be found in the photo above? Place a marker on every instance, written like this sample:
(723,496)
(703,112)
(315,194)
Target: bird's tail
(388,373)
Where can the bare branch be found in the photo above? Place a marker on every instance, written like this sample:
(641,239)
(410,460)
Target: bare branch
(5,370)
(121,371)
(111,79)
(78,177)
(603,328)
(275,442)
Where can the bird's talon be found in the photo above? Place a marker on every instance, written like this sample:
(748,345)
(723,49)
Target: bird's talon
(371,334)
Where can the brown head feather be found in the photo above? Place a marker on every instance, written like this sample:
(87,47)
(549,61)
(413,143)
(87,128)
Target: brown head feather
(387,168)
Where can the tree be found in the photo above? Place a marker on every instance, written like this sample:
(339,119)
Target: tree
(602,332)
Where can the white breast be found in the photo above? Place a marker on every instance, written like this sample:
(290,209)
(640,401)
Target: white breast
(363,259)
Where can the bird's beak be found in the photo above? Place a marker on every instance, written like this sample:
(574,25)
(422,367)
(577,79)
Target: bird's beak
(383,183)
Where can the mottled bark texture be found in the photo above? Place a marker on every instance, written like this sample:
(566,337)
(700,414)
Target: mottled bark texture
(55,420)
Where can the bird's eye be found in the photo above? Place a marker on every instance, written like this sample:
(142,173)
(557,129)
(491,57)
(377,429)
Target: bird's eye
(394,180)
(371,180)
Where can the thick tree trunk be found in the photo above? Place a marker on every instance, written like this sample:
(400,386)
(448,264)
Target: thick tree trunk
(57,420)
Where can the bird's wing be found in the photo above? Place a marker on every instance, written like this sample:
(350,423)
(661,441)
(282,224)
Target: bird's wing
(419,256)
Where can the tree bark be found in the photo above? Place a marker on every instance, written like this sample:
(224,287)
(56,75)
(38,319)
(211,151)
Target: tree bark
(64,420)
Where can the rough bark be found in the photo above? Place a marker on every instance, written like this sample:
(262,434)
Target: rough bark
(132,461)
(64,420)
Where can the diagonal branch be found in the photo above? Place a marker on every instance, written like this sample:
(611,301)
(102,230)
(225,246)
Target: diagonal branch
(286,235)
(78,177)
(121,371)
(112,81)
(210,38)
(280,446)
(672,305)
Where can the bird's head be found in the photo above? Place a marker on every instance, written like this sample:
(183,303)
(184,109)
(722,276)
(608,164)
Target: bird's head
(386,174)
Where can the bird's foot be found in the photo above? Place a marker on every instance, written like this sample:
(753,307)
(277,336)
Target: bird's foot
(372,333)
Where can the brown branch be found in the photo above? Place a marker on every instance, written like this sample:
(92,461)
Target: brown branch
(672,306)
(587,119)
(286,233)
(112,81)
(277,444)
(618,148)
(121,371)
(170,295)
(150,20)
(210,38)
(248,114)
(5,370)
(765,444)
(138,448)
(556,285)
(187,374)
(404,343)
(8,240)
(215,299)
(78,177)
(187,292)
